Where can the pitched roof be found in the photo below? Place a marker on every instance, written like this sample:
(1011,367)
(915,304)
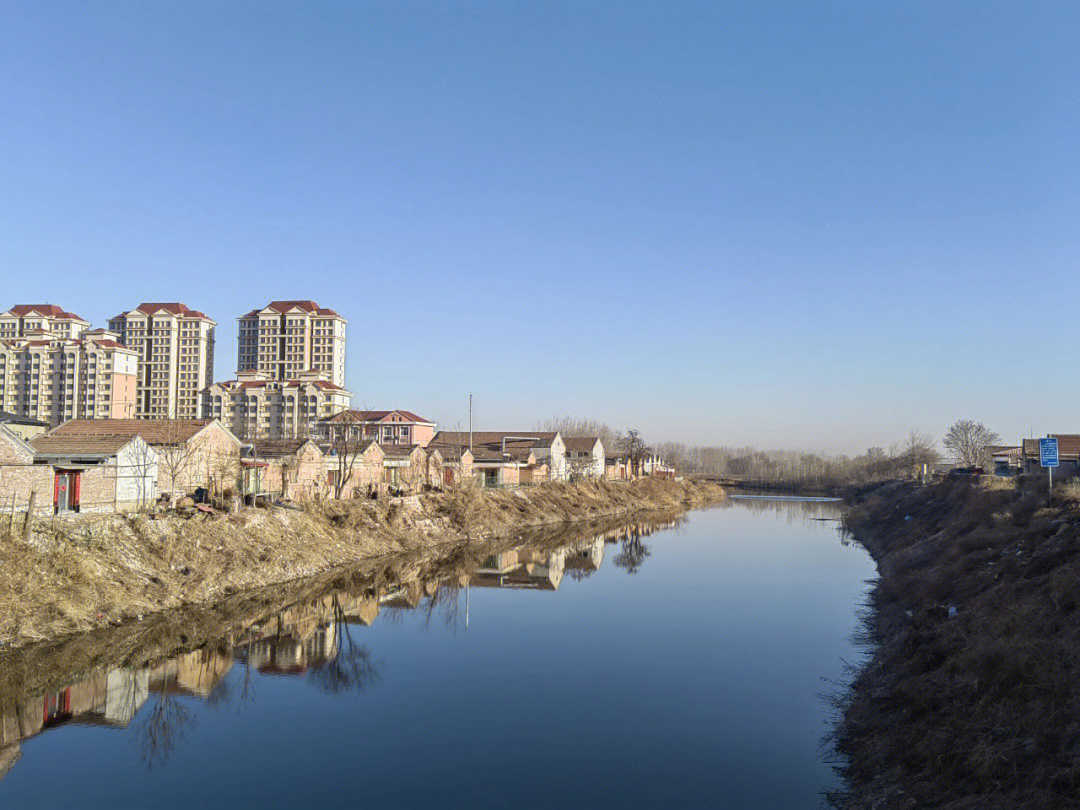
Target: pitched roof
(580,444)
(375,416)
(9,418)
(399,450)
(282,307)
(1068,445)
(50,310)
(523,438)
(153,431)
(76,445)
(173,308)
(278,448)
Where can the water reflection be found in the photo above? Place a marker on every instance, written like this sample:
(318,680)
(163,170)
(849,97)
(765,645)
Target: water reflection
(318,639)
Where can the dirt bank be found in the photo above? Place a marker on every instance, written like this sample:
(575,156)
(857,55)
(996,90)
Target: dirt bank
(78,574)
(972,697)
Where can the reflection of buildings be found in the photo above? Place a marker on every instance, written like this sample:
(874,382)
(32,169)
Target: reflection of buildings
(521,568)
(306,638)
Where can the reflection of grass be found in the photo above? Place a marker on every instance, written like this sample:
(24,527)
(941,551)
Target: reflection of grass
(87,572)
(978,710)
(440,571)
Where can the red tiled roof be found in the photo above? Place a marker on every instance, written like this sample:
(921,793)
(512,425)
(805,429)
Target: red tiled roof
(375,416)
(307,306)
(50,310)
(174,308)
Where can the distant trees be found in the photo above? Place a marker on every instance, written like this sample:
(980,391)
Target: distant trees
(968,441)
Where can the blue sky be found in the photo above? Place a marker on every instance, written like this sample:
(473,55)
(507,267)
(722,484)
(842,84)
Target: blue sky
(718,222)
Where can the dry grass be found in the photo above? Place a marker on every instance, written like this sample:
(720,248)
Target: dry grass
(75,575)
(982,709)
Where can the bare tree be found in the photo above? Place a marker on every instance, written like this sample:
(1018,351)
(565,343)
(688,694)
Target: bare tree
(635,448)
(175,456)
(346,440)
(968,441)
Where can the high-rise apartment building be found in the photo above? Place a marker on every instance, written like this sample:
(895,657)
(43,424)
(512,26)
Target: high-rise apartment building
(25,319)
(285,338)
(55,378)
(175,346)
(254,406)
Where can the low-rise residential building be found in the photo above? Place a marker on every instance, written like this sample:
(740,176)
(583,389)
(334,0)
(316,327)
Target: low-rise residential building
(397,427)
(54,379)
(20,475)
(175,350)
(285,338)
(617,466)
(254,406)
(508,458)
(585,457)
(355,471)
(27,319)
(95,473)
(404,468)
(1068,456)
(190,453)
(292,469)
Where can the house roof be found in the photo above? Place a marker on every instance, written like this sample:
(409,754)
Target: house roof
(399,450)
(278,448)
(1068,445)
(49,310)
(282,307)
(153,431)
(52,444)
(525,438)
(375,416)
(580,444)
(173,308)
(8,418)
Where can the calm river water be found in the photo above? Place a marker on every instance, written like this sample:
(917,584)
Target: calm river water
(678,663)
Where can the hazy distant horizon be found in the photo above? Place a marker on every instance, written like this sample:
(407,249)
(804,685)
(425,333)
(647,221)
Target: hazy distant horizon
(757,225)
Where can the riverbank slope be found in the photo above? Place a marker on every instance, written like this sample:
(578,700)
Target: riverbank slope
(972,697)
(78,574)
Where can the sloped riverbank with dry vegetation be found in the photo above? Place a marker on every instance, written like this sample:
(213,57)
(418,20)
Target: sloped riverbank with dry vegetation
(972,696)
(78,574)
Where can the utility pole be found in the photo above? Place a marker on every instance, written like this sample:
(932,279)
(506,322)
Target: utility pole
(470,423)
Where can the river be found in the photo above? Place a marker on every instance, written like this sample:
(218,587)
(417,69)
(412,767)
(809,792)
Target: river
(673,662)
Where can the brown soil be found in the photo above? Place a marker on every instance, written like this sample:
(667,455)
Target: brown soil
(972,697)
(79,574)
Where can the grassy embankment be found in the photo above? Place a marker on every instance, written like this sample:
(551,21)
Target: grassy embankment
(972,697)
(78,574)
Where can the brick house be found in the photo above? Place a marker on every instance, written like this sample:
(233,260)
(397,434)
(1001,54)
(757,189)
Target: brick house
(585,457)
(360,470)
(20,475)
(92,473)
(191,453)
(508,458)
(295,468)
(1068,456)
(448,466)
(404,468)
(397,427)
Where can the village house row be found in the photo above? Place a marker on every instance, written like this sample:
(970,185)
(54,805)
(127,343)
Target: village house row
(114,419)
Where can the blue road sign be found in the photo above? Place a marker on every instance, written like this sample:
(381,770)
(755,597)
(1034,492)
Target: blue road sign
(1048,452)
